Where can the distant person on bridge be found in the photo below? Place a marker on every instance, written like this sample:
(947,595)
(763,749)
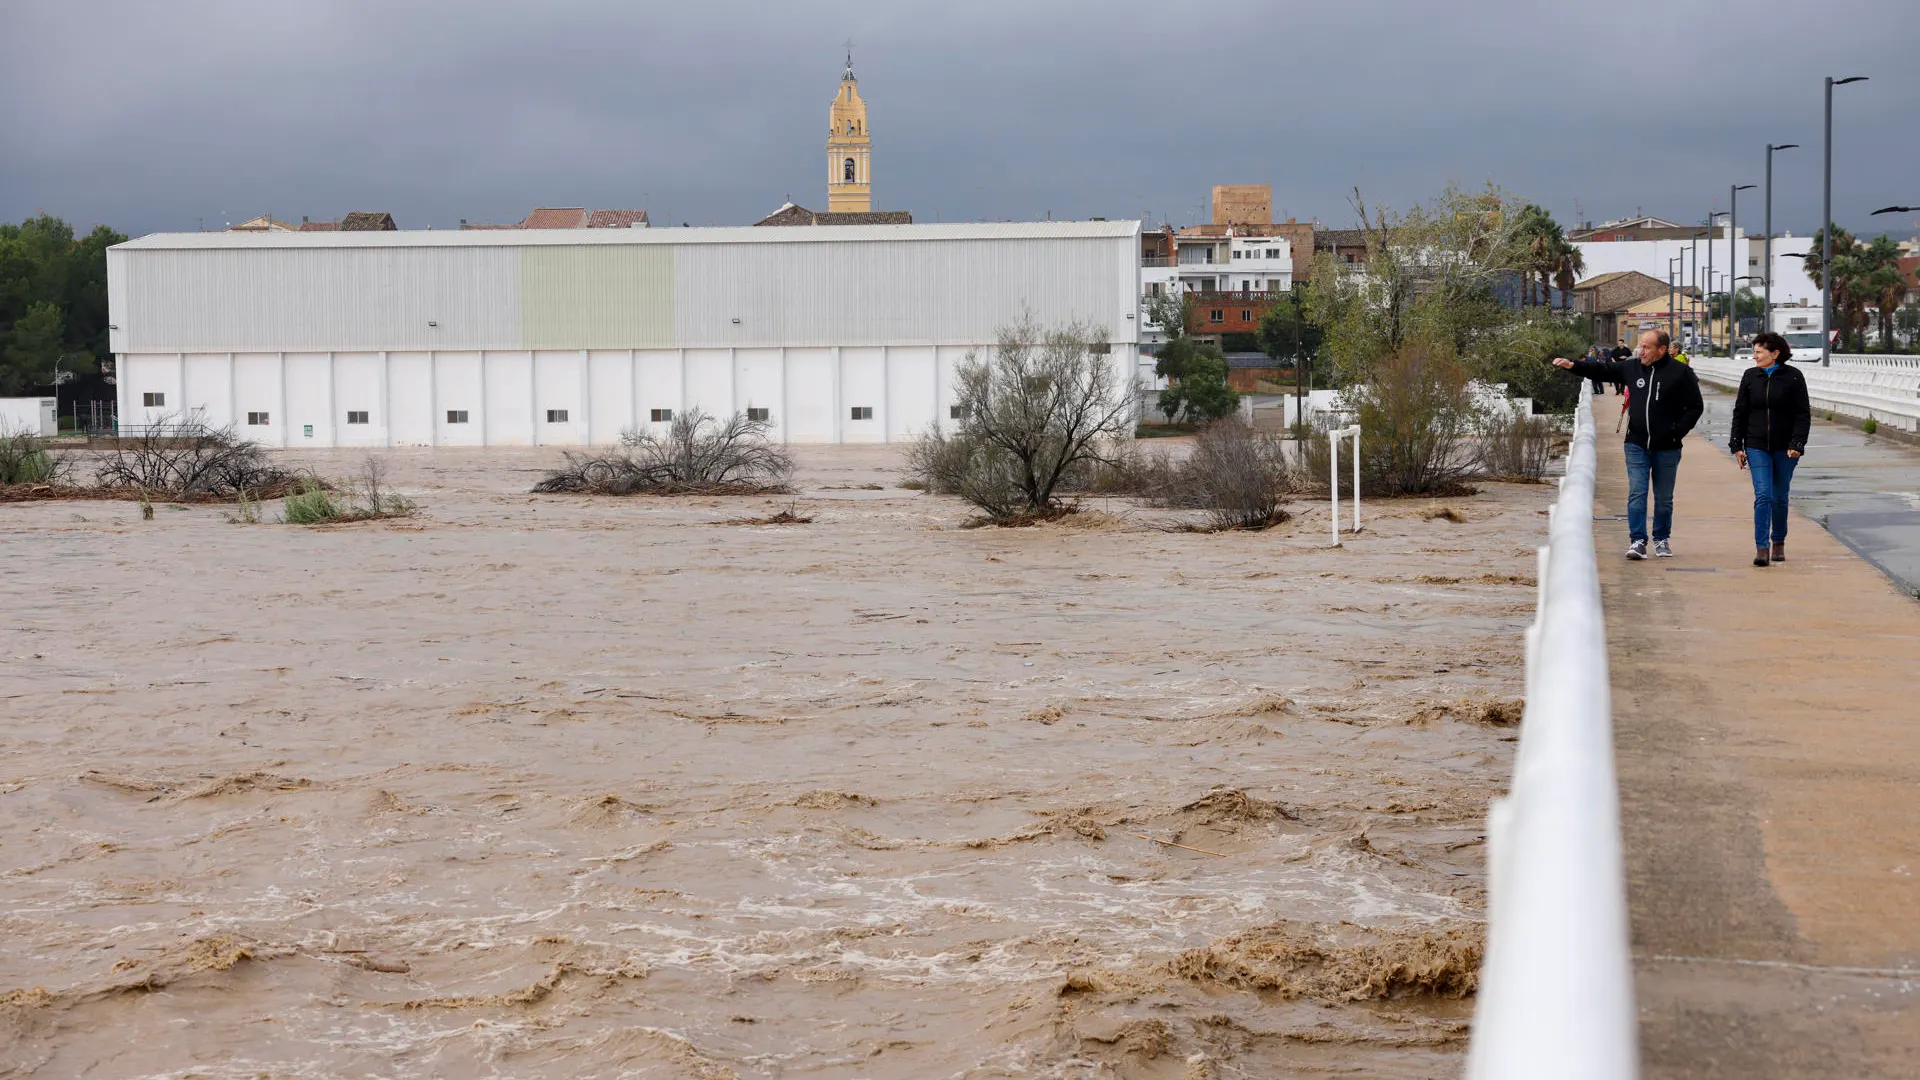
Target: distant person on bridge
(1594,355)
(1664,405)
(1771,418)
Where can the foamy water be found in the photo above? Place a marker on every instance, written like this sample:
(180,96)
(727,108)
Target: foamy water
(551,786)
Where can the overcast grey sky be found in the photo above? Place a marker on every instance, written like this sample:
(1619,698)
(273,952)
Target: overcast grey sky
(160,114)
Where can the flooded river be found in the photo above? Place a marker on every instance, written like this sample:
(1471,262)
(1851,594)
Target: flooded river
(545,786)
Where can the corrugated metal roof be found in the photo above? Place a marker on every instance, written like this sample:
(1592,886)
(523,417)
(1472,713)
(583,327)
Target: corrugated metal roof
(742,234)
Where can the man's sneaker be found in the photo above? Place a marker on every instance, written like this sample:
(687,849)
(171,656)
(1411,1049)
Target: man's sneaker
(1637,549)
(1662,550)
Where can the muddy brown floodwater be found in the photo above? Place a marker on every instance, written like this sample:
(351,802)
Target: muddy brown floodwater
(554,786)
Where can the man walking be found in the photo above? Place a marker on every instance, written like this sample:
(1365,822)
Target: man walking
(1664,404)
(1595,356)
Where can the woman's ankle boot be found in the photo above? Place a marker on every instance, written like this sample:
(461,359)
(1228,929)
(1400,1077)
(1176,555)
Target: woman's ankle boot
(1780,551)
(1759,556)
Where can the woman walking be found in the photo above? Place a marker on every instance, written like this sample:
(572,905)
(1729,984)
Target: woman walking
(1770,422)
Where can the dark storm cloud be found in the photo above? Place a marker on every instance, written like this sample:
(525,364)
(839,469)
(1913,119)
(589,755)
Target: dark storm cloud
(156,115)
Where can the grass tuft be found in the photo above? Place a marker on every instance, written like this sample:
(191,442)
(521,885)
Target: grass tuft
(312,504)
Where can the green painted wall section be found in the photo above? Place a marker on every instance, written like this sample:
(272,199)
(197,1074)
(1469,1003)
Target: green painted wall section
(603,296)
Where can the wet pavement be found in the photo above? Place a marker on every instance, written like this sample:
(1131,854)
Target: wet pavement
(1864,489)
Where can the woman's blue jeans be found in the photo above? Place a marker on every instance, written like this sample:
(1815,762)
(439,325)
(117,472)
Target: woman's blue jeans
(1772,478)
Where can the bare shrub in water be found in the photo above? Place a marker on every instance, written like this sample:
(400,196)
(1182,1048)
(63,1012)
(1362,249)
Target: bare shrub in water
(1239,476)
(1515,446)
(181,457)
(1417,419)
(1044,404)
(699,454)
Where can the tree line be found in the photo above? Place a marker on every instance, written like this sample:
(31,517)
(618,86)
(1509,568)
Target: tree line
(1865,275)
(53,302)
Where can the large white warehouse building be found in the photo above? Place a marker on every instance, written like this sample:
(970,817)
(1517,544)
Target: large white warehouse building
(568,337)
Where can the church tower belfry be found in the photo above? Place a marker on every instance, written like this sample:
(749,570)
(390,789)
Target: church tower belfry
(849,149)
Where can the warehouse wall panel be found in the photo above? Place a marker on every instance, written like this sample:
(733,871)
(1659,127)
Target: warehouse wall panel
(660,387)
(208,388)
(509,397)
(256,390)
(560,383)
(356,389)
(596,297)
(912,389)
(141,374)
(810,396)
(709,381)
(457,389)
(309,391)
(611,395)
(313,299)
(410,399)
(759,382)
(863,385)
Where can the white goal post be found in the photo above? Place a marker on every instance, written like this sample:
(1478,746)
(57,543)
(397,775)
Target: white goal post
(1333,478)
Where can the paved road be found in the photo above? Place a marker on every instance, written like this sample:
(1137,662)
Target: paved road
(1866,490)
(1768,745)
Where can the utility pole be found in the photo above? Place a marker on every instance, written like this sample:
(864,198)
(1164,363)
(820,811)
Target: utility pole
(1766,256)
(1826,227)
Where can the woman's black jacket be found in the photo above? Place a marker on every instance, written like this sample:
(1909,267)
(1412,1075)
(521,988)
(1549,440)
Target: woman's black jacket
(1770,412)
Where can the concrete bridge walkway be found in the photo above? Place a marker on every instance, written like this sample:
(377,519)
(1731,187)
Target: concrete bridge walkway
(1767,729)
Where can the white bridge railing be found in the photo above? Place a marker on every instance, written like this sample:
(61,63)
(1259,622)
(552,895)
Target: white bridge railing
(1885,389)
(1556,988)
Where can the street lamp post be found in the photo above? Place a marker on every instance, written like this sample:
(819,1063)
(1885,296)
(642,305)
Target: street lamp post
(1766,255)
(1733,260)
(1693,277)
(1826,226)
(1710,218)
(1672,272)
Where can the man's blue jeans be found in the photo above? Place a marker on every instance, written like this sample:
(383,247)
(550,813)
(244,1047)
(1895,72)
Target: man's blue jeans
(1772,478)
(1661,467)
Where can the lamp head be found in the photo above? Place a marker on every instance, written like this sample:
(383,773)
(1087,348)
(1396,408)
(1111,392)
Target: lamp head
(1783,146)
(1743,187)
(1897,210)
(1848,79)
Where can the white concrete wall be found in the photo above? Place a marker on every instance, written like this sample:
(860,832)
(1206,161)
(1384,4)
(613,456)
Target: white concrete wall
(809,392)
(1650,257)
(32,415)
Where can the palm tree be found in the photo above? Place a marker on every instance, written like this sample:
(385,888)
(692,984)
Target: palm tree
(1538,240)
(1569,267)
(1840,292)
(1881,283)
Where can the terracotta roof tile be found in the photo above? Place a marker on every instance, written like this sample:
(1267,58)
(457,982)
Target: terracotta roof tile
(569,217)
(616,219)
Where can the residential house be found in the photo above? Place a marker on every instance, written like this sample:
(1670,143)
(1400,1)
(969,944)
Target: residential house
(263,223)
(790,214)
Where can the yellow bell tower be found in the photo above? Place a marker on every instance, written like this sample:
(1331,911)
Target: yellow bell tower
(849,150)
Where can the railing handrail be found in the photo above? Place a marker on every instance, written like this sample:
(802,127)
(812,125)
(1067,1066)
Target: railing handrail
(1556,987)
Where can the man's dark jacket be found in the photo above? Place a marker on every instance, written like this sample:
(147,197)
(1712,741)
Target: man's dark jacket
(1663,400)
(1771,412)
